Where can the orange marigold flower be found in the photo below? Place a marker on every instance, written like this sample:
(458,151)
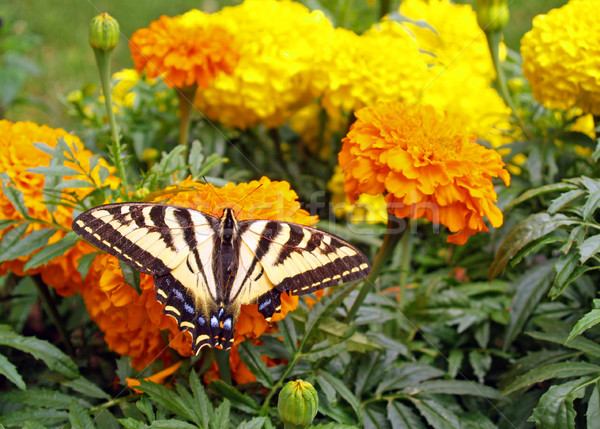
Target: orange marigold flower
(17,156)
(185,50)
(427,166)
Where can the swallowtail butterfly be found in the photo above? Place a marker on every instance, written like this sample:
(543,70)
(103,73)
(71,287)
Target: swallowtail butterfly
(206,267)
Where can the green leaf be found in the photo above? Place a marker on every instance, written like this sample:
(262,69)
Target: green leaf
(79,417)
(564,199)
(47,149)
(401,417)
(578,343)
(344,392)
(238,399)
(86,387)
(44,416)
(407,375)
(166,398)
(455,359)
(44,397)
(57,170)
(564,266)
(555,408)
(204,406)
(255,423)
(33,425)
(531,287)
(131,423)
(221,416)
(586,322)
(8,370)
(55,359)
(453,387)
(287,329)
(195,158)
(28,244)
(171,424)
(5,223)
(591,205)
(213,160)
(556,370)
(554,187)
(131,276)
(72,184)
(11,238)
(52,251)
(13,194)
(589,248)
(145,406)
(481,363)
(593,409)
(250,355)
(526,231)
(325,350)
(85,262)
(436,415)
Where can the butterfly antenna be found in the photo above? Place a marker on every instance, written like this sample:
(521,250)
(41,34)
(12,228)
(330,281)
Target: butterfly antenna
(212,188)
(247,195)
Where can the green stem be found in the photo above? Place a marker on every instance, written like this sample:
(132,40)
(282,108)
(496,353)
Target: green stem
(186,100)
(384,8)
(391,239)
(288,369)
(50,306)
(493,39)
(406,246)
(103,62)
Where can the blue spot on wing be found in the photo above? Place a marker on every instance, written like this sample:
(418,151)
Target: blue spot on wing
(178,294)
(189,308)
(201,321)
(214,322)
(264,304)
(227,323)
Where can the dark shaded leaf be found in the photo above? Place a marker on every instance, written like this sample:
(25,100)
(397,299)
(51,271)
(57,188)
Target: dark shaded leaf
(401,417)
(8,370)
(564,199)
(578,343)
(435,414)
(166,398)
(554,187)
(557,370)
(52,251)
(221,416)
(453,387)
(564,266)
(238,399)
(44,416)
(79,417)
(250,355)
(555,408)
(593,408)
(586,322)
(27,244)
(344,392)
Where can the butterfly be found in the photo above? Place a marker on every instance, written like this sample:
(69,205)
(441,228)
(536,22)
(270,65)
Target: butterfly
(206,267)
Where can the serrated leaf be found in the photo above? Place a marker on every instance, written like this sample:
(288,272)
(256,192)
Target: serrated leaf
(204,406)
(586,322)
(171,424)
(56,170)
(14,195)
(578,343)
(321,351)
(28,244)
(555,408)
(453,387)
(436,415)
(86,387)
(11,238)
(145,406)
(556,370)
(33,425)
(401,417)
(131,423)
(238,399)
(255,423)
(564,199)
(52,251)
(44,416)
(531,287)
(593,408)
(563,267)
(195,158)
(591,205)
(72,184)
(44,397)
(287,329)
(554,187)
(8,370)
(47,149)
(250,355)
(525,232)
(221,416)
(165,397)
(55,359)
(79,417)
(481,363)
(455,358)
(589,248)
(344,392)
(408,375)
(212,161)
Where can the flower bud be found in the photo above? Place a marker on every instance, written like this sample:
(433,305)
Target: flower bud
(298,403)
(104,32)
(492,15)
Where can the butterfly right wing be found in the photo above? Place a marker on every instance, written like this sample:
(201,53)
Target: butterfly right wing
(176,246)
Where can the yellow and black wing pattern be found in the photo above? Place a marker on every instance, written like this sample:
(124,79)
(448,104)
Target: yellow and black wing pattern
(205,268)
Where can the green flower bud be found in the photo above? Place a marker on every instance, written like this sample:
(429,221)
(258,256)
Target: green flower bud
(298,403)
(492,15)
(141,193)
(104,32)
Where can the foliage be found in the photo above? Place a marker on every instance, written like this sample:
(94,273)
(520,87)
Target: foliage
(501,331)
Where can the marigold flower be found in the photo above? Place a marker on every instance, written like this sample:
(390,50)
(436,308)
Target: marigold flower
(427,165)
(561,57)
(17,156)
(185,50)
(132,322)
(281,41)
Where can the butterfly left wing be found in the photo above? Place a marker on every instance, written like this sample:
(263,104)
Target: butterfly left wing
(176,246)
(280,256)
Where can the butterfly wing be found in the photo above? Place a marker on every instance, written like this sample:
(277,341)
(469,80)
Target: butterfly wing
(177,247)
(281,256)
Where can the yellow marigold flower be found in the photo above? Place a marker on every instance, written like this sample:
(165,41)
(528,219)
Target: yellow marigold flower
(186,50)
(132,323)
(124,80)
(561,57)
(280,44)
(428,166)
(17,156)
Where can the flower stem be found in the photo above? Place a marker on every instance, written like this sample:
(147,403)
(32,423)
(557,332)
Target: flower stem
(103,62)
(391,239)
(186,99)
(406,246)
(288,369)
(493,39)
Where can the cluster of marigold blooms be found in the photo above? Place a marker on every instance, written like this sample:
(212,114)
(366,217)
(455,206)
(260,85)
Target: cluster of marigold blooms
(420,97)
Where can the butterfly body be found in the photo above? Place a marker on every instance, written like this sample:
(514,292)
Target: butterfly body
(206,267)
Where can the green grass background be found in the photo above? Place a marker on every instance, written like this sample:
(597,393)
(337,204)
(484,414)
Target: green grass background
(67,62)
